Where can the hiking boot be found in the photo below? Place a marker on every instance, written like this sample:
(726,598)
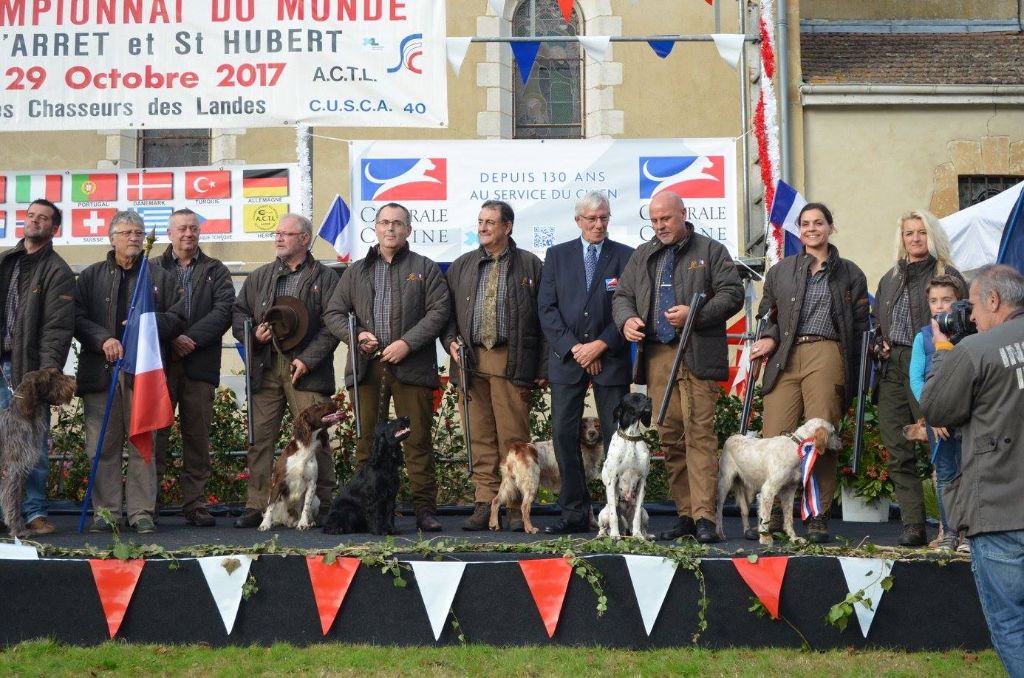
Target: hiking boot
(250,518)
(684,527)
(144,525)
(965,545)
(426,521)
(817,530)
(41,525)
(200,517)
(948,542)
(478,521)
(707,533)
(775,521)
(100,525)
(515,520)
(913,535)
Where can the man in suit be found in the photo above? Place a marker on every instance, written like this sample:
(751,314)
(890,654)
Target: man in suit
(575,305)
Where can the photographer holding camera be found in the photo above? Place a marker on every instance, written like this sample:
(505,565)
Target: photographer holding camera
(901,309)
(979,387)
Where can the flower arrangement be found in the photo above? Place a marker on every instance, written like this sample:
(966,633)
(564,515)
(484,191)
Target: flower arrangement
(872,481)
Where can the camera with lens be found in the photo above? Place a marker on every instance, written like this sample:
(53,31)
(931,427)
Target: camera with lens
(956,323)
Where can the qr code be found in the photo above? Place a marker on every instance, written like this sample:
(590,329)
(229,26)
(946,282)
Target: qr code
(543,236)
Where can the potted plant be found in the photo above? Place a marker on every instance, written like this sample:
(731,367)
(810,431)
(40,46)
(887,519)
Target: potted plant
(865,495)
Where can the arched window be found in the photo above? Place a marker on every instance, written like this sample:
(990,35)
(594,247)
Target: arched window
(549,106)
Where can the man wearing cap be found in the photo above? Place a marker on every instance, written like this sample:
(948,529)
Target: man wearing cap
(38,321)
(194,369)
(292,353)
(494,311)
(102,301)
(401,304)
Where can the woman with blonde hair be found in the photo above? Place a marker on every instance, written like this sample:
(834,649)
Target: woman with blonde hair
(901,309)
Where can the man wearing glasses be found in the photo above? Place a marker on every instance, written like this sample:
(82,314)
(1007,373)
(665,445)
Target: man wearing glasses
(102,299)
(585,347)
(401,304)
(194,369)
(296,378)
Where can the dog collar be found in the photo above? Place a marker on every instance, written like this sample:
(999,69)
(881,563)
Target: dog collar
(795,439)
(632,439)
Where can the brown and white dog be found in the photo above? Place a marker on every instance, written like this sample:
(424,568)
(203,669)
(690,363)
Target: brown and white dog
(23,428)
(530,466)
(770,466)
(293,501)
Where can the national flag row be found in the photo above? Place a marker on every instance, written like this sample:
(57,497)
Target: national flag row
(103,187)
(89,222)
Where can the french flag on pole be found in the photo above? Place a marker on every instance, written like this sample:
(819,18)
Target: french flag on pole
(151,403)
(785,208)
(333,229)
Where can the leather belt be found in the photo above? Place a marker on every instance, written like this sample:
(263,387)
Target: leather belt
(811,339)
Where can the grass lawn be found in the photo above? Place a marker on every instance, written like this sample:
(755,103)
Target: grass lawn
(44,658)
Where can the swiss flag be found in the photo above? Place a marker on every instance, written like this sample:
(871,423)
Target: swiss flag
(88,222)
(150,186)
(19,225)
(214,184)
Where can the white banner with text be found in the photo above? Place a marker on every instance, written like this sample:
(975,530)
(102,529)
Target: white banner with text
(443,184)
(126,64)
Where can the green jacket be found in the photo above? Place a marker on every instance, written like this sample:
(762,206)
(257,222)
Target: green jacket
(46,319)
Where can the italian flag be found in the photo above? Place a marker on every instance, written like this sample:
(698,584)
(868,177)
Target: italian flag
(36,186)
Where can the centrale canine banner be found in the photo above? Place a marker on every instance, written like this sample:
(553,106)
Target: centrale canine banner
(443,184)
(117,64)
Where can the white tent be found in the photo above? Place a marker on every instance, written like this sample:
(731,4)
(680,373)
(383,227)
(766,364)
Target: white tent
(974,232)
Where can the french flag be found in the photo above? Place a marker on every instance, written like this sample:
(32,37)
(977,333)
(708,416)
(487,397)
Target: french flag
(151,403)
(785,208)
(333,229)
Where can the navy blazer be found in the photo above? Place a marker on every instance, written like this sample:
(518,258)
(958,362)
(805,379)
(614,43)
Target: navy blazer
(569,314)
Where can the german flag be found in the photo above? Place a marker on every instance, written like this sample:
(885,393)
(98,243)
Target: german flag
(266,183)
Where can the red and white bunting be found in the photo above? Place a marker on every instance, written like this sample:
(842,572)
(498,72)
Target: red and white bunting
(18,551)
(866,574)
(766,127)
(225,575)
(729,46)
(596,46)
(764,577)
(457,48)
(115,584)
(438,582)
(651,577)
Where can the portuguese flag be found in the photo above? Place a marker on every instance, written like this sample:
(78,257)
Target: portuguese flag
(93,187)
(265,183)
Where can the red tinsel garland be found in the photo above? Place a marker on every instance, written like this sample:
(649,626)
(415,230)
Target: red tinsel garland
(767,50)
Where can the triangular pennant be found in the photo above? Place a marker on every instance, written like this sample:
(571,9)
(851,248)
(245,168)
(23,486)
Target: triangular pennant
(457,48)
(330,584)
(115,582)
(548,579)
(498,6)
(596,46)
(438,583)
(525,53)
(225,575)
(566,6)
(729,46)
(866,574)
(651,577)
(662,47)
(18,551)
(764,577)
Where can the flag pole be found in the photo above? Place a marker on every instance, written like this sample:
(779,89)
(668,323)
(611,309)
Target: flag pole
(143,274)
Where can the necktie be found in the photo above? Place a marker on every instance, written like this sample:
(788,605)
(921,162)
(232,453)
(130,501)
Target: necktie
(665,332)
(489,323)
(590,263)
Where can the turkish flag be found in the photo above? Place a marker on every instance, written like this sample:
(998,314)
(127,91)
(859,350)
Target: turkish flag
(151,186)
(200,185)
(88,222)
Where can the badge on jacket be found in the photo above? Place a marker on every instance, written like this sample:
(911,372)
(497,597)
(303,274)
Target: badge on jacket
(699,263)
(611,284)
(413,277)
(526,282)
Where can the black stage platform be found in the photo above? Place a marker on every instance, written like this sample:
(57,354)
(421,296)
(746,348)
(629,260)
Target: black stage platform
(932,603)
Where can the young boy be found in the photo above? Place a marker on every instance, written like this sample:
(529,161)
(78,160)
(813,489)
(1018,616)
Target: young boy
(942,291)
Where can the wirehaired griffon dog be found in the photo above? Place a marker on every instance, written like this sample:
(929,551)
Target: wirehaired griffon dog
(293,501)
(770,466)
(530,466)
(625,471)
(23,428)
(367,503)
